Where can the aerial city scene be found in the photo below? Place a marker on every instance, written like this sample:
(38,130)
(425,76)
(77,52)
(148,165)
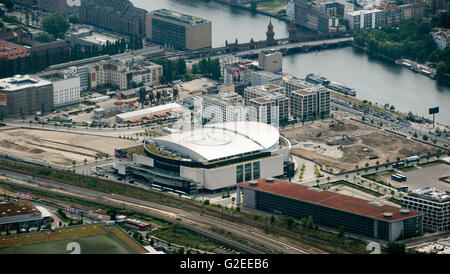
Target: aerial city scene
(233,127)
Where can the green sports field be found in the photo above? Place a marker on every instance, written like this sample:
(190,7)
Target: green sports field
(92,239)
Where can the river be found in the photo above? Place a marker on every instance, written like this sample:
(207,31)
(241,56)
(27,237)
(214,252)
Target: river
(375,80)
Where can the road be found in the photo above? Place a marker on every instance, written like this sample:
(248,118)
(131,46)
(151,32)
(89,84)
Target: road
(192,220)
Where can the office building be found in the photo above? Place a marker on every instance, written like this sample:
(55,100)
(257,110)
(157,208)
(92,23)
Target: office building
(214,157)
(330,209)
(271,61)
(177,30)
(267,104)
(24,95)
(310,103)
(434,205)
(318,16)
(223,107)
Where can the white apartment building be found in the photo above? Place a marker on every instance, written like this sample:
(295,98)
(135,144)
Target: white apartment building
(365,19)
(270,99)
(223,107)
(310,103)
(66,91)
(434,205)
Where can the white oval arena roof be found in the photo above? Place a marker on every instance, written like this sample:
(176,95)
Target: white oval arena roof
(221,140)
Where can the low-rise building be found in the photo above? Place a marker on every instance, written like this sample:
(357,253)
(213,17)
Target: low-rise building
(66,87)
(434,205)
(9,51)
(19,215)
(365,19)
(267,103)
(86,36)
(441,38)
(330,209)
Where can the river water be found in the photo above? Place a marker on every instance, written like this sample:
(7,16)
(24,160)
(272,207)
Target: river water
(375,80)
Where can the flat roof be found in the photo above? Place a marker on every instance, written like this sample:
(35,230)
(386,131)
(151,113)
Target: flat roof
(177,16)
(17,209)
(146,111)
(221,140)
(20,82)
(329,199)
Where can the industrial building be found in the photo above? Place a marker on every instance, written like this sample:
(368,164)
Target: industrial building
(20,215)
(434,205)
(133,115)
(177,30)
(223,107)
(24,94)
(330,209)
(214,157)
(120,16)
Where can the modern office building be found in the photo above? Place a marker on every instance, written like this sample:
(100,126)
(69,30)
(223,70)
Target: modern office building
(223,107)
(24,94)
(271,60)
(120,16)
(434,205)
(264,77)
(214,157)
(318,16)
(365,19)
(310,103)
(291,83)
(177,30)
(268,104)
(66,87)
(330,209)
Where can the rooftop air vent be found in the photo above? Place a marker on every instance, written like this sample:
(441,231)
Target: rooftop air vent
(270,180)
(404,211)
(253,183)
(387,215)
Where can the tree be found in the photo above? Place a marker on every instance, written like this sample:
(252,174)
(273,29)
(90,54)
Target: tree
(272,219)
(396,248)
(56,24)
(73,19)
(74,162)
(85,161)
(310,222)
(341,230)
(44,37)
(8,3)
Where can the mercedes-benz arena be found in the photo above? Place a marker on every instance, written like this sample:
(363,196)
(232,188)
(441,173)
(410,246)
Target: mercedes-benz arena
(215,157)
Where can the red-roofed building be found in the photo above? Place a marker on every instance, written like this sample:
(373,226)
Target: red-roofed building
(9,51)
(330,209)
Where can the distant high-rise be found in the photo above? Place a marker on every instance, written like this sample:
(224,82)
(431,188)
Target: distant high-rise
(115,15)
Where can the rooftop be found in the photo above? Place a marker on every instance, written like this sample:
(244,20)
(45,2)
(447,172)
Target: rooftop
(17,209)
(430,193)
(20,82)
(221,141)
(329,199)
(184,18)
(146,111)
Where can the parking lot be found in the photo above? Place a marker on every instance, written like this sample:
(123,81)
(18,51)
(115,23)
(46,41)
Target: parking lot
(428,177)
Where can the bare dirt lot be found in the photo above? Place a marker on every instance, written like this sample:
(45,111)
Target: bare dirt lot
(358,144)
(57,147)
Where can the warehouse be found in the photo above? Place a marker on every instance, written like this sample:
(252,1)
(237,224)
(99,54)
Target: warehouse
(212,158)
(133,115)
(19,215)
(330,209)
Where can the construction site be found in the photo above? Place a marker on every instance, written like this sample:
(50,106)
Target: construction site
(344,144)
(46,146)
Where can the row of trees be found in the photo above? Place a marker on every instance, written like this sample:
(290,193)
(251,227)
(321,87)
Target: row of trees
(172,70)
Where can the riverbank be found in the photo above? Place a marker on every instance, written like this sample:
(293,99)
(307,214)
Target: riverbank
(257,10)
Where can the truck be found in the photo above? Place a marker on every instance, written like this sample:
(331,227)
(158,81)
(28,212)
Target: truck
(413,159)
